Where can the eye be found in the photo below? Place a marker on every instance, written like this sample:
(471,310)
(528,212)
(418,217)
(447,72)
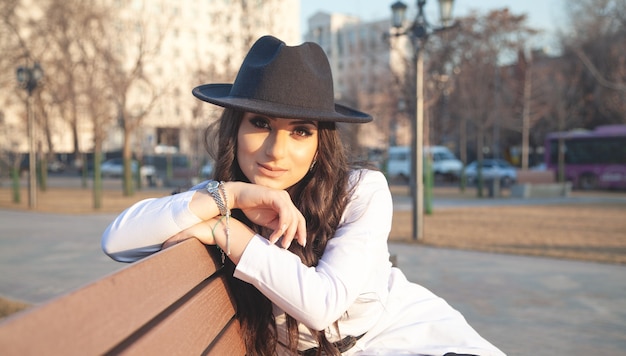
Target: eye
(302,131)
(260,122)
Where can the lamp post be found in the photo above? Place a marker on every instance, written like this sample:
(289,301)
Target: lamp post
(419,31)
(29,78)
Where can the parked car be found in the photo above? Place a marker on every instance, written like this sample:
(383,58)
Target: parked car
(56,166)
(173,170)
(539,167)
(114,167)
(492,169)
(444,162)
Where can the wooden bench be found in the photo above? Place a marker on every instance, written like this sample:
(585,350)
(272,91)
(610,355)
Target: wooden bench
(539,184)
(175,302)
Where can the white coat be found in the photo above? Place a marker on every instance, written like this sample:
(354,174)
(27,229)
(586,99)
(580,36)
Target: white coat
(353,282)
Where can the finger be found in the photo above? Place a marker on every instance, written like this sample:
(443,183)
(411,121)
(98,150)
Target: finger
(289,235)
(278,233)
(301,233)
(297,229)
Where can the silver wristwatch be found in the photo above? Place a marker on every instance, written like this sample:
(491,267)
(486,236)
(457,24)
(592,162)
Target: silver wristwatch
(213,187)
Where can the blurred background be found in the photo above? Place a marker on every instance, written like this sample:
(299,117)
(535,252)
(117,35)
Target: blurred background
(102,88)
(524,98)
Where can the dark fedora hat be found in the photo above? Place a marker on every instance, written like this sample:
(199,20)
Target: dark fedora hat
(283,81)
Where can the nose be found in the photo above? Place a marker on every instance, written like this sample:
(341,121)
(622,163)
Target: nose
(276,144)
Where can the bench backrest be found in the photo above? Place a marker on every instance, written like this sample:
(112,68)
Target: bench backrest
(175,302)
(535,177)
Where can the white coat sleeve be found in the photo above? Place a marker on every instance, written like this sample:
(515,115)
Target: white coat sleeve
(318,296)
(143,228)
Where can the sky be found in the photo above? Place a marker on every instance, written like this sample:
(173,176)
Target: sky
(546,15)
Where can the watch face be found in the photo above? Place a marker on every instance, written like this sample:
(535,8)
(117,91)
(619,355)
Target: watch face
(213,185)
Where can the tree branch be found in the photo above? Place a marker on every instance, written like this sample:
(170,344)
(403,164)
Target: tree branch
(596,73)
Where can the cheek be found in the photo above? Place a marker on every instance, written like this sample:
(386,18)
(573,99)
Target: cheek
(305,154)
(244,152)
(248,142)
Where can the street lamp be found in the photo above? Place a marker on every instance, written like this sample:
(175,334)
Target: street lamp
(419,31)
(29,78)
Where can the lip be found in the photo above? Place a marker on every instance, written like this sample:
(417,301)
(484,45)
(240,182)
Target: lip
(269,171)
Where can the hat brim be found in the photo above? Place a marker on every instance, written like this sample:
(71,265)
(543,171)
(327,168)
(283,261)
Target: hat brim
(219,94)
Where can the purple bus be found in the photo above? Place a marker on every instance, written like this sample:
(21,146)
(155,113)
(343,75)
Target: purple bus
(592,159)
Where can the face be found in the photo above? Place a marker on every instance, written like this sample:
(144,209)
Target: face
(276,152)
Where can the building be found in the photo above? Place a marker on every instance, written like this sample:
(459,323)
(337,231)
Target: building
(183,44)
(199,41)
(369,67)
(206,42)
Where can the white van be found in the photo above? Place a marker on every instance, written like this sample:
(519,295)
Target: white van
(445,163)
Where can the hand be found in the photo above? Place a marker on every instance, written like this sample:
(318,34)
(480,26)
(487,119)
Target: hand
(271,208)
(202,231)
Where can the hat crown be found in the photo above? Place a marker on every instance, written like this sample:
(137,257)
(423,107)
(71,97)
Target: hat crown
(296,76)
(285,82)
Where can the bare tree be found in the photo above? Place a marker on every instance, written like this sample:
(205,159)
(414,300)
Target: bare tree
(58,34)
(10,157)
(479,46)
(21,44)
(11,43)
(529,85)
(63,31)
(96,97)
(597,40)
(133,93)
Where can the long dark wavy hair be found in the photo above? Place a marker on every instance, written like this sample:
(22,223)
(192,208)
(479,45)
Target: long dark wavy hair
(321,196)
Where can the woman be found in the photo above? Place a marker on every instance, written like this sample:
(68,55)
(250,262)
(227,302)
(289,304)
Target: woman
(282,176)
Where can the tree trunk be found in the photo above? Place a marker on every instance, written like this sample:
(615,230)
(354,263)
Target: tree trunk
(97,173)
(479,162)
(526,117)
(127,181)
(15,182)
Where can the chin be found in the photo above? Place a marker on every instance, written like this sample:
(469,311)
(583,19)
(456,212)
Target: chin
(271,183)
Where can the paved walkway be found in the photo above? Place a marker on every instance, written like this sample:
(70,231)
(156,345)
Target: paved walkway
(45,255)
(524,305)
(527,305)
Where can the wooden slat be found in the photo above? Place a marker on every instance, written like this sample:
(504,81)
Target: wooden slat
(535,177)
(189,326)
(229,342)
(99,316)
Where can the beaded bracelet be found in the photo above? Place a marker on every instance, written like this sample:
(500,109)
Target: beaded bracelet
(213,234)
(215,226)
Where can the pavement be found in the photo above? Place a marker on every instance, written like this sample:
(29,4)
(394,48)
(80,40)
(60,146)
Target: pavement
(43,256)
(527,305)
(524,305)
